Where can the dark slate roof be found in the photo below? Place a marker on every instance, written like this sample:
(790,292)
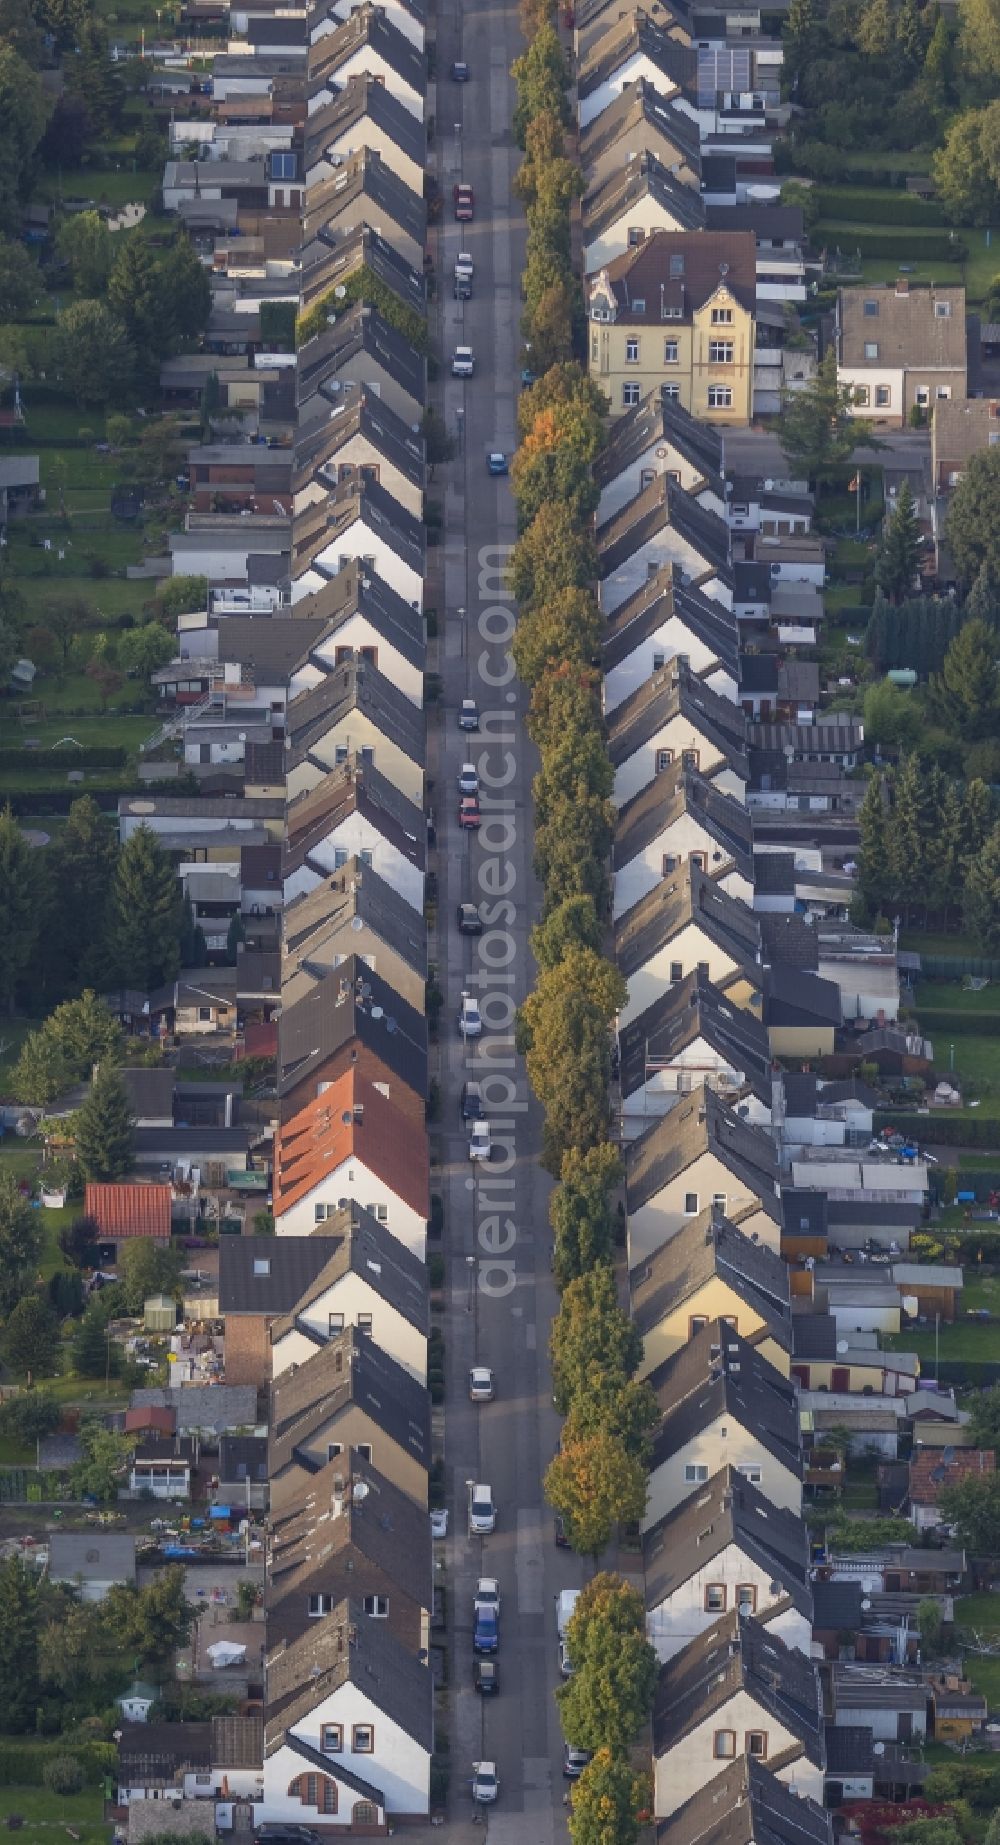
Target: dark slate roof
(354,686)
(293,1263)
(150,1092)
(653,604)
(361,329)
(769,223)
(849,1749)
(368,1250)
(371,26)
(361,101)
(643,177)
(363,1515)
(774,876)
(353,1002)
(341,249)
(837,1605)
(358,589)
(658,420)
(664,503)
(347,1648)
(717,1373)
(353,787)
(354,890)
(688,1010)
(242,1457)
(149,1753)
(687,895)
(732,1655)
(746,1805)
(792,997)
(676,692)
(350,1369)
(363,415)
(727,1510)
(641,112)
(322,524)
(704,1249)
(803,1213)
(678,792)
(751,582)
(364,187)
(265,644)
(814,1335)
(638,35)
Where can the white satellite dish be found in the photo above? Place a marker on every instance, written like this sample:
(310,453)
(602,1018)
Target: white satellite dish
(340,291)
(842,1345)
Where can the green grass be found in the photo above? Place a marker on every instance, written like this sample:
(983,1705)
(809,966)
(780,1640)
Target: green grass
(904,160)
(979,1611)
(113,727)
(981,1292)
(960,1341)
(951,996)
(47,1816)
(938,942)
(103,188)
(985,1676)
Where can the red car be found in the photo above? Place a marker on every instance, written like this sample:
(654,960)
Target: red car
(468,812)
(465,203)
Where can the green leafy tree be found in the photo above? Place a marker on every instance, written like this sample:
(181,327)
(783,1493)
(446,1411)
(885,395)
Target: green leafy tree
(962,172)
(92,1352)
(64,19)
(610,1695)
(23,113)
(78,1242)
(20,1242)
(967,693)
(92,353)
(552,555)
(563,1028)
(30,1416)
(146,1268)
(104,1128)
(99,1473)
(572,845)
(973,1508)
(938,81)
(78,1034)
(550,324)
(610,1802)
(19,30)
(595,1485)
(557,474)
(982,895)
(145,915)
(571,924)
(580,1211)
(19,1686)
(569,391)
(182,596)
(916,820)
(929,1626)
(542,81)
(151,1622)
(590,1330)
(31,1338)
(972,522)
(802,38)
(979,41)
(142,650)
(567,628)
(892,715)
(86,244)
(899,553)
(22,905)
(186,291)
(818,430)
(134,295)
(20,280)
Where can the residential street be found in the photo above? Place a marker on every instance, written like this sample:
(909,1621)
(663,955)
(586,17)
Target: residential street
(502,1304)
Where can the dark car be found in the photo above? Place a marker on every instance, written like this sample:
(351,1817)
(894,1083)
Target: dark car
(472,1102)
(486,1631)
(486,1677)
(460,71)
(561,1539)
(463,288)
(279,1834)
(469,920)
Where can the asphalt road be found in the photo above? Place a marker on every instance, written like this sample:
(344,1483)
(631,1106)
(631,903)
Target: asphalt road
(497,1240)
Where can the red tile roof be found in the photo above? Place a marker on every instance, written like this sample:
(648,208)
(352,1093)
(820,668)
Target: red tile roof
(329,1131)
(129,1210)
(930,1471)
(163,1420)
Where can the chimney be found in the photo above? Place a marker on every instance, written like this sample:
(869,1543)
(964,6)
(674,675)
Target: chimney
(902,285)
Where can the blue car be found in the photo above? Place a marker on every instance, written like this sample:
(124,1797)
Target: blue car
(486,1632)
(497,462)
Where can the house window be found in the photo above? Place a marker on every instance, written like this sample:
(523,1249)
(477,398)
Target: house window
(366,857)
(859,396)
(942,310)
(334,1449)
(871,310)
(320,1605)
(319,1213)
(364,1322)
(332,1734)
(718,1198)
(943,392)
(377,1606)
(364,1448)
(923,394)
(676,970)
(339,857)
(363,1739)
(746,1597)
(720,397)
(663,760)
(750,1471)
(261,1265)
(883,396)
(204,1015)
(715,1598)
(871,349)
(690,1204)
(340,753)
(677,266)
(669,864)
(630,396)
(695,1474)
(314,1791)
(757,1744)
(690,758)
(720,352)
(671,392)
(365,1813)
(636,235)
(670,351)
(722,317)
(595,348)
(335,1322)
(696,1323)
(631,352)
(659,660)
(724,1745)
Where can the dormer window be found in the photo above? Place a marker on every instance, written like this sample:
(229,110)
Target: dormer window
(677,265)
(871,310)
(639,305)
(942,310)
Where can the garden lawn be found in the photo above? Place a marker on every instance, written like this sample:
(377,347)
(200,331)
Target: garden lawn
(985,1676)
(123,187)
(964,1339)
(979,1611)
(951,996)
(122,729)
(47,1816)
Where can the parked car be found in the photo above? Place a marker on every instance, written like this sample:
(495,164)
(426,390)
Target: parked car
(562,1541)
(439,1522)
(469,816)
(482,1388)
(277,1833)
(468,780)
(465,203)
(480,1142)
(460,72)
(472,1101)
(574,1761)
(485,1785)
(496,461)
(463,364)
(468,715)
(486,1677)
(463,287)
(566,1665)
(486,1631)
(488,1594)
(470,1019)
(464,266)
(469,920)
(482,1511)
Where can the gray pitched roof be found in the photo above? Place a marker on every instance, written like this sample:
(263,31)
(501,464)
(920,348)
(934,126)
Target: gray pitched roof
(701,1123)
(705,1248)
(353,787)
(364,1516)
(366,180)
(242,1457)
(265,644)
(747,1805)
(837,1605)
(641,116)
(683,791)
(350,1369)
(354,1002)
(204,1406)
(657,420)
(637,35)
(358,589)
(676,692)
(718,1373)
(792,997)
(739,1654)
(361,329)
(355,890)
(301,1267)
(367,26)
(358,102)
(688,895)
(688,1010)
(340,250)
(643,177)
(367,416)
(657,599)
(727,1510)
(354,686)
(664,503)
(321,525)
(292,1263)
(346,1648)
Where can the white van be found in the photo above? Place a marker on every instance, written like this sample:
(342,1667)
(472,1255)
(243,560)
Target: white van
(566,1601)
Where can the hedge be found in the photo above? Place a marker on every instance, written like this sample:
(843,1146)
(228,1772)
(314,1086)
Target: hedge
(980,1372)
(943,1130)
(21,1764)
(87,756)
(865,208)
(897,246)
(957,1024)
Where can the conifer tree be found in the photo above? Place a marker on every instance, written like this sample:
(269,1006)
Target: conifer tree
(900,551)
(104,1129)
(146,914)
